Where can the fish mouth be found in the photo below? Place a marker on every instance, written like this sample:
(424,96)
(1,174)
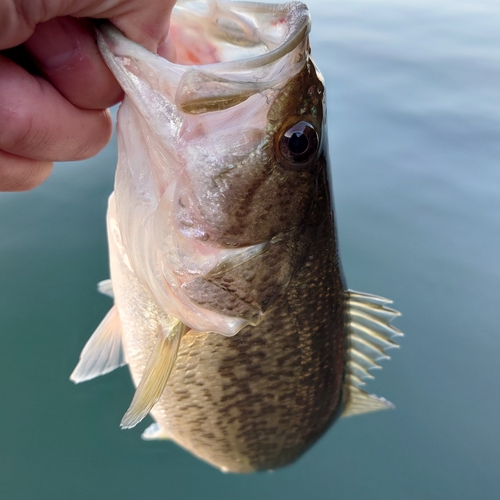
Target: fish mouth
(226,52)
(222,35)
(256,33)
(184,126)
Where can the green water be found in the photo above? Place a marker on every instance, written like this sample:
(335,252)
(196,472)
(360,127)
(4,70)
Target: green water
(414,125)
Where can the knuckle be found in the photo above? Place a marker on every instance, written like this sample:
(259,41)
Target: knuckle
(17,132)
(21,174)
(97,137)
(23,128)
(35,177)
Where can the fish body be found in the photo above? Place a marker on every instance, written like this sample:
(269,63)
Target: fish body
(230,305)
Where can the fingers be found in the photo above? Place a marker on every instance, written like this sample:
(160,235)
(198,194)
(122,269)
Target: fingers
(38,123)
(144,22)
(66,52)
(59,117)
(22,174)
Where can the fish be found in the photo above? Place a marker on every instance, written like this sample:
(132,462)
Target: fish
(230,305)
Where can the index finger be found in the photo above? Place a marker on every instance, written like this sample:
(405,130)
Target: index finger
(143,21)
(66,52)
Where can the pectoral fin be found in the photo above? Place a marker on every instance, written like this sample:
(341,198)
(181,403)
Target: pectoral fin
(155,375)
(106,288)
(369,336)
(103,351)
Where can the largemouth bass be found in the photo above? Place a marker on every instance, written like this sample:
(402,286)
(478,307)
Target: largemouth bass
(230,305)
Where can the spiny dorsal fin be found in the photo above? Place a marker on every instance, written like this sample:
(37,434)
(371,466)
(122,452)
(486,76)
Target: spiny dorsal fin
(369,336)
(103,352)
(156,373)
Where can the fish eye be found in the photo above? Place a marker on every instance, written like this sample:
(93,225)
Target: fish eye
(298,145)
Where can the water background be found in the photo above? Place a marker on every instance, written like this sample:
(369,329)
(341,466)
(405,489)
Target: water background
(414,128)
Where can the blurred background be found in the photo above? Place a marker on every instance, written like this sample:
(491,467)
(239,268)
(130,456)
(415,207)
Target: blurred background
(414,128)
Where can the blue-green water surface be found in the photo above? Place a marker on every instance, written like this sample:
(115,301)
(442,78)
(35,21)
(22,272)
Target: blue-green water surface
(414,130)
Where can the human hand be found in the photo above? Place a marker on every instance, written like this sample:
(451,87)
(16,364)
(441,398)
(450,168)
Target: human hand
(58,112)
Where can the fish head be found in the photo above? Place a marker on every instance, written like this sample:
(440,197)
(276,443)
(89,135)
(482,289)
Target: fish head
(250,169)
(219,156)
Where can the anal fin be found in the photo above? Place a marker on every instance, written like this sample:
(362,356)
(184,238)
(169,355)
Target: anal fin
(156,374)
(369,335)
(103,352)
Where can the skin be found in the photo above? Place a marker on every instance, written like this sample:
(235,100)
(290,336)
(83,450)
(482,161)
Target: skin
(221,222)
(256,400)
(54,86)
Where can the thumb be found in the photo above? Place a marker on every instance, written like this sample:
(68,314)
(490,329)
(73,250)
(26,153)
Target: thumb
(143,21)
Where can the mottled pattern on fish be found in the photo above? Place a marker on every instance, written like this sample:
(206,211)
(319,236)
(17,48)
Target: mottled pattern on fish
(259,399)
(230,306)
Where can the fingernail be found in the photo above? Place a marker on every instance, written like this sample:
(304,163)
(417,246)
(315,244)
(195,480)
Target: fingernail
(54,44)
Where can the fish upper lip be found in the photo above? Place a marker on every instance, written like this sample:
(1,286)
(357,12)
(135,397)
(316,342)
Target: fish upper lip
(295,14)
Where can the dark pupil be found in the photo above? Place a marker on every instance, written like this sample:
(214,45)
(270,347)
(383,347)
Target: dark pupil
(298,143)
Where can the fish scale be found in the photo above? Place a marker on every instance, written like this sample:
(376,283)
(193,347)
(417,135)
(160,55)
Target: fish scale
(231,309)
